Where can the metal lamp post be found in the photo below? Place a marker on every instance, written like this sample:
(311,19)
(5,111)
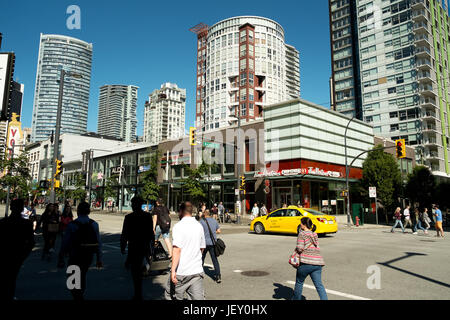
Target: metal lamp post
(347,171)
(63,73)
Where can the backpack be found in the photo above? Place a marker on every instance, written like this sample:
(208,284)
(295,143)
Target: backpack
(86,242)
(164,219)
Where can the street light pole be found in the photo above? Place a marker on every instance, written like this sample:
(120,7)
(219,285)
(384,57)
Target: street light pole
(57,133)
(347,171)
(238,152)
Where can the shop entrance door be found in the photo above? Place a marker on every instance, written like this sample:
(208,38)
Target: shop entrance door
(285,197)
(340,208)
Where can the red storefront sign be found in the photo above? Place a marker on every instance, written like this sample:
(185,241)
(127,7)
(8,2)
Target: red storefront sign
(286,168)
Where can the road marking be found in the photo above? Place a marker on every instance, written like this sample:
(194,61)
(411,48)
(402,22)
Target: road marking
(336,293)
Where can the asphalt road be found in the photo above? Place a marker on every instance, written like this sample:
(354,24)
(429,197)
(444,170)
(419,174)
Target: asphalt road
(255,267)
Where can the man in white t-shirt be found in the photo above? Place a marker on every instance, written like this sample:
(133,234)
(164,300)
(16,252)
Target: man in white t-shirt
(407,216)
(187,269)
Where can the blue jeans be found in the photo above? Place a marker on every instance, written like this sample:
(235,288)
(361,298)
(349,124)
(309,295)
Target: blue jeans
(419,225)
(158,233)
(315,272)
(214,259)
(397,222)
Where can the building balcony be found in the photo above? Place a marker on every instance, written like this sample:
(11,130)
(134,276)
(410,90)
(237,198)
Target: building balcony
(423,52)
(421,28)
(432,156)
(425,76)
(430,143)
(423,64)
(427,90)
(418,4)
(419,15)
(429,128)
(428,103)
(430,116)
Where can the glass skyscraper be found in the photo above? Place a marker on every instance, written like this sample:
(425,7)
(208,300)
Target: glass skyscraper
(402,73)
(56,51)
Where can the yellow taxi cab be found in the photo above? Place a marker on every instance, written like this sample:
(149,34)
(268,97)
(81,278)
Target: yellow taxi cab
(287,220)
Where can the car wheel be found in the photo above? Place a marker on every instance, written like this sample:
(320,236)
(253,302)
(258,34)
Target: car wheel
(259,228)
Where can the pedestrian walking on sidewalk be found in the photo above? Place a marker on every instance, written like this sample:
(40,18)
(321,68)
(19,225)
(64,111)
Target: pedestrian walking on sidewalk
(221,210)
(418,224)
(398,220)
(16,243)
(211,228)
(137,233)
(81,243)
(186,276)
(311,260)
(161,224)
(255,211)
(263,212)
(438,215)
(50,220)
(426,220)
(407,215)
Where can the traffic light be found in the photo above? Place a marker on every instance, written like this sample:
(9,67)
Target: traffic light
(192,138)
(57,184)
(43,184)
(242,183)
(400,148)
(59,165)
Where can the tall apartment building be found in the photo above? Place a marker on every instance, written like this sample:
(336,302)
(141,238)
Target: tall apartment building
(117,112)
(56,51)
(243,64)
(165,114)
(390,68)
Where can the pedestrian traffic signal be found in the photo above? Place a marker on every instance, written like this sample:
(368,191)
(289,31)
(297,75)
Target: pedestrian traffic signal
(192,138)
(57,184)
(59,165)
(400,148)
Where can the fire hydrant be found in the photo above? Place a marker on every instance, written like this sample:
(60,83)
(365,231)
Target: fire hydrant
(357,221)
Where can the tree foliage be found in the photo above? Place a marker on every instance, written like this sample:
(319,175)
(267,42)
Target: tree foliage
(16,174)
(420,186)
(442,195)
(191,183)
(79,193)
(151,189)
(381,170)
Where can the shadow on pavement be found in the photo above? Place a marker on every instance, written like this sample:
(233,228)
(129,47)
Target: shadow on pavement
(408,255)
(282,292)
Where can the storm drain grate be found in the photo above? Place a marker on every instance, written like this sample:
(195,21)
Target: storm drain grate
(255,273)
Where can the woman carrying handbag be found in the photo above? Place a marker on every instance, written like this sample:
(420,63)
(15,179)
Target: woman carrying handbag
(308,260)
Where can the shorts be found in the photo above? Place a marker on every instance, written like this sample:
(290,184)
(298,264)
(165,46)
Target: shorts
(158,233)
(439,225)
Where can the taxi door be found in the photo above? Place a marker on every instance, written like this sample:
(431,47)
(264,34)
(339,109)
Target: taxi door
(291,221)
(274,220)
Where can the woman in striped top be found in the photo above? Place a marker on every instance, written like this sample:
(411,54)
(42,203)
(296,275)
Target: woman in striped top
(311,261)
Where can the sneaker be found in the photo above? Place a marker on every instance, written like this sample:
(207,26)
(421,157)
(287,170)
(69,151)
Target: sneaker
(414,232)
(218,279)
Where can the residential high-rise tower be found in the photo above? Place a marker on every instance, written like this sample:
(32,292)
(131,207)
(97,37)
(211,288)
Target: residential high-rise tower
(165,114)
(393,56)
(56,51)
(117,112)
(243,64)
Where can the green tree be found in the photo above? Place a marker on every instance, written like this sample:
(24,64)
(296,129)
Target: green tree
(191,183)
(110,190)
(441,195)
(381,170)
(16,175)
(79,193)
(420,186)
(151,190)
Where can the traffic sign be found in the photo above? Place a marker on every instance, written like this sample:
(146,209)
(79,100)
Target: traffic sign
(372,192)
(211,145)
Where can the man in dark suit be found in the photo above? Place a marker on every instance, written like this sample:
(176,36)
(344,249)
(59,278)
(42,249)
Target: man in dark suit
(16,243)
(137,233)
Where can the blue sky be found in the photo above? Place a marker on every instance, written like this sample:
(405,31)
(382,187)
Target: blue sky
(147,43)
